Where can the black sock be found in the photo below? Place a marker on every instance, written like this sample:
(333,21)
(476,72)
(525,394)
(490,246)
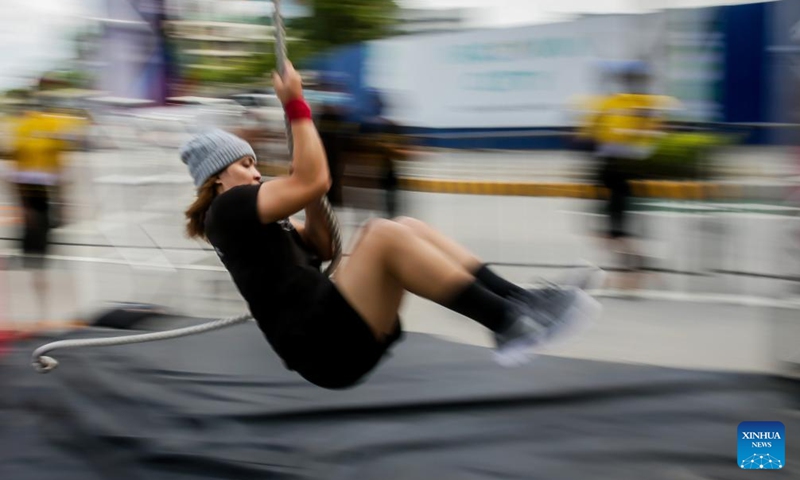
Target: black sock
(495,283)
(480,304)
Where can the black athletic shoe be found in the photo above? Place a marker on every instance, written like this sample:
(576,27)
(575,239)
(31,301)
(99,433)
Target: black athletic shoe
(542,316)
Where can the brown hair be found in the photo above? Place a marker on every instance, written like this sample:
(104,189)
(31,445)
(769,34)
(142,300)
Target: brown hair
(196,213)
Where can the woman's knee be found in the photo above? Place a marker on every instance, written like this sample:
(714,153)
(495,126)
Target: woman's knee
(415,225)
(381,231)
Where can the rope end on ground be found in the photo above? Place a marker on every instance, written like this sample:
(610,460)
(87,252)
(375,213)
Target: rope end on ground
(45,364)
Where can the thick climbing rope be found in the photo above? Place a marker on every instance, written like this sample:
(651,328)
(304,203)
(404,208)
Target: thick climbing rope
(43,363)
(330,216)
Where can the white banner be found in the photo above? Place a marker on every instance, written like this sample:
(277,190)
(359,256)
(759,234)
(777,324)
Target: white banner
(520,77)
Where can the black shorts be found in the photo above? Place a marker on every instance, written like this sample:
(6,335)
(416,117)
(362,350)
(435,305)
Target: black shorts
(330,345)
(36,227)
(617,207)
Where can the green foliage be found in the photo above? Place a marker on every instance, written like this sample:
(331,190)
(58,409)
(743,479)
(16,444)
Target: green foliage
(17,93)
(332,23)
(341,22)
(683,155)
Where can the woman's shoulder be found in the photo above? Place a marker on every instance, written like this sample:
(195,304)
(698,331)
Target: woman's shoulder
(243,197)
(235,207)
(238,193)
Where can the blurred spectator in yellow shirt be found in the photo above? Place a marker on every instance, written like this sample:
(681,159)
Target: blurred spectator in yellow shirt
(40,138)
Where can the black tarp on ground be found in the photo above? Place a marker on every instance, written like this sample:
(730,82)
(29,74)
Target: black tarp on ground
(220,405)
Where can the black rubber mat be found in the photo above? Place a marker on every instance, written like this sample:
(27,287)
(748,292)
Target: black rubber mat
(220,405)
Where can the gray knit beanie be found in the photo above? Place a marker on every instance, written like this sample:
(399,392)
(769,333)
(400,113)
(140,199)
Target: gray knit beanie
(210,152)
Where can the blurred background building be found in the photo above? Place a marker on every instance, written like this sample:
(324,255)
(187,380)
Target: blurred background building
(412,21)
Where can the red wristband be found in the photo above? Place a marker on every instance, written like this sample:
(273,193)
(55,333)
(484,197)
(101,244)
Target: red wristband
(297,109)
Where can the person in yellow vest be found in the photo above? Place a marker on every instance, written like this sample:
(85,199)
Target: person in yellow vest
(625,129)
(39,140)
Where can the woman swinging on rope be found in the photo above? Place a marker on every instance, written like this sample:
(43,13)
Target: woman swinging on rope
(334,331)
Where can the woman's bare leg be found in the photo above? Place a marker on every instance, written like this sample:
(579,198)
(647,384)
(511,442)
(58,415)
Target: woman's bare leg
(389,259)
(468,260)
(448,246)
(392,257)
